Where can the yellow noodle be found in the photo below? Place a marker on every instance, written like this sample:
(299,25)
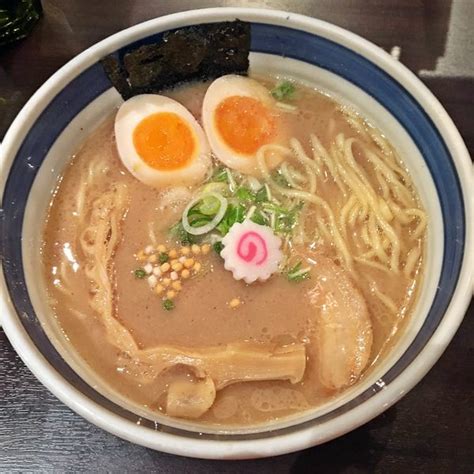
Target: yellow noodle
(372,264)
(352,182)
(383,185)
(386,300)
(360,182)
(308,197)
(390,171)
(307,163)
(344,211)
(421,226)
(380,141)
(288,176)
(320,152)
(399,212)
(325,234)
(411,261)
(356,211)
(368,255)
(375,240)
(365,237)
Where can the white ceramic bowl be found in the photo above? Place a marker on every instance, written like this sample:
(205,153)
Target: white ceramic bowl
(75,99)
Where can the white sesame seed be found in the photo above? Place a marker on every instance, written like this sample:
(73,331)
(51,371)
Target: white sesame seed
(157,271)
(148,268)
(152,281)
(173,275)
(149,249)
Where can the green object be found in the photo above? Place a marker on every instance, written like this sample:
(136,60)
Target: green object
(285,219)
(258,218)
(283,91)
(297,273)
(196,218)
(233,214)
(261,195)
(140,273)
(209,206)
(168,305)
(244,194)
(180,234)
(220,175)
(17,19)
(163,257)
(218,247)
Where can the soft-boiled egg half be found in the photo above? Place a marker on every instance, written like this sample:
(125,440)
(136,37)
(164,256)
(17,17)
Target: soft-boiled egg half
(160,142)
(239,116)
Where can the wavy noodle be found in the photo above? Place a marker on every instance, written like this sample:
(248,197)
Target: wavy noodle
(412,260)
(292,177)
(350,204)
(320,153)
(386,300)
(375,202)
(306,196)
(422,224)
(372,263)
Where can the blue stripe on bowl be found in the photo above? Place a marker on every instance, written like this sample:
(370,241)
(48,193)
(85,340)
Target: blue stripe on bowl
(270,39)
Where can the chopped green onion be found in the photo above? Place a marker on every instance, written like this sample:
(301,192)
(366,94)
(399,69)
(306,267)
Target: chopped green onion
(244,194)
(286,223)
(168,305)
(269,206)
(196,218)
(220,175)
(261,195)
(234,213)
(296,273)
(180,234)
(258,218)
(140,273)
(218,247)
(209,205)
(204,220)
(283,90)
(163,257)
(196,223)
(214,187)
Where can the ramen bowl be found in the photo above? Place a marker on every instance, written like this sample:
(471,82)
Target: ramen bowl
(78,97)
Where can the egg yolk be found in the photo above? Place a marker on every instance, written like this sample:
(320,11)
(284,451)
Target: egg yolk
(164,141)
(244,123)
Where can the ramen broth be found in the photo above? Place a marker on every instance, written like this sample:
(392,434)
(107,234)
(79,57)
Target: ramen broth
(277,312)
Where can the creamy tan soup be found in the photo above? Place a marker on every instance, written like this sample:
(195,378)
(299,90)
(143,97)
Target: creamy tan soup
(193,342)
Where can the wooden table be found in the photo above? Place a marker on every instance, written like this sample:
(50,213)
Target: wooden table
(431,430)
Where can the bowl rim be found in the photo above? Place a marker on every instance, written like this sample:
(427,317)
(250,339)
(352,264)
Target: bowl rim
(299,439)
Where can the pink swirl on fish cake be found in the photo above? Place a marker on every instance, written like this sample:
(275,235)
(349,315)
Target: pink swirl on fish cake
(252,248)
(251,251)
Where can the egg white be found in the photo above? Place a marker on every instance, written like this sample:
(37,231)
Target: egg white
(218,91)
(131,113)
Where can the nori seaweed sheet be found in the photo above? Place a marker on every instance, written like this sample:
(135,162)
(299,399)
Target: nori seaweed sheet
(191,53)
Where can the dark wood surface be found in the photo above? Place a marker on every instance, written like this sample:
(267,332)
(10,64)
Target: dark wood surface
(430,430)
